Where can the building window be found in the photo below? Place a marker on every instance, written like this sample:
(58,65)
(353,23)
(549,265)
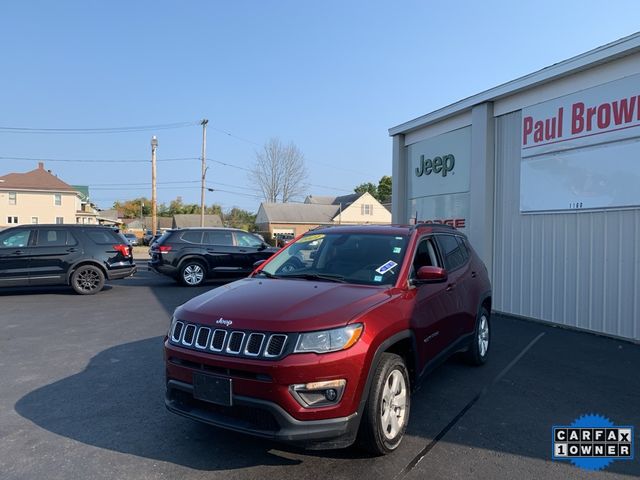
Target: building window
(34,220)
(59,220)
(12,198)
(58,199)
(12,220)
(367,209)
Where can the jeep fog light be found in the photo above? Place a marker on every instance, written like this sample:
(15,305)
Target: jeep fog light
(318,394)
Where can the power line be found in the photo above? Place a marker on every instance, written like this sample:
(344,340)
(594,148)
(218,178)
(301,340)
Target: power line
(229,165)
(235,193)
(80,160)
(143,184)
(67,131)
(229,134)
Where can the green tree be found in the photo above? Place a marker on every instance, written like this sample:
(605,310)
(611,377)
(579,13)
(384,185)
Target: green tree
(381,192)
(239,218)
(384,189)
(131,208)
(367,187)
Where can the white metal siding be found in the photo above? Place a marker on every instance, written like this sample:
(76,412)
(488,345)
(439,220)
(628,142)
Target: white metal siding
(577,269)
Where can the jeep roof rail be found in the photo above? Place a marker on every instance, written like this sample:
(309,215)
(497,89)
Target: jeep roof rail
(433,224)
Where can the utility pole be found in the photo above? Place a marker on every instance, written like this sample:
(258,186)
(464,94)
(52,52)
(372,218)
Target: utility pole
(154,200)
(204,168)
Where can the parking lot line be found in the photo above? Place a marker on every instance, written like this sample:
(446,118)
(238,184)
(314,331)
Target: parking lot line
(418,458)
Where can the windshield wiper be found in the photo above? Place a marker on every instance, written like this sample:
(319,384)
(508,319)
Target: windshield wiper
(316,276)
(267,274)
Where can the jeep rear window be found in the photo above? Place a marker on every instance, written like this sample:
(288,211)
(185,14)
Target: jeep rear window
(104,236)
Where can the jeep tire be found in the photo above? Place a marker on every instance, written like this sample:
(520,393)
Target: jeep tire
(386,412)
(478,351)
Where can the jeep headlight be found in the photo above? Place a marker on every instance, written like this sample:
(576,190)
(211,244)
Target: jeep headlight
(326,341)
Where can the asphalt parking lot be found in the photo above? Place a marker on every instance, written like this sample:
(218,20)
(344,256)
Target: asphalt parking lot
(82,384)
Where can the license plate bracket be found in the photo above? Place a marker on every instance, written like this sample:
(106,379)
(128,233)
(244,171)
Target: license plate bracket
(209,388)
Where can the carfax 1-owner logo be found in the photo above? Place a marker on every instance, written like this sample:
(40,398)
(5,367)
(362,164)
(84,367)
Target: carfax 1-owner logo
(592,442)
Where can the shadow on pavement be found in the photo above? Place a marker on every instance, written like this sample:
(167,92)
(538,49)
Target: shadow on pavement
(117,403)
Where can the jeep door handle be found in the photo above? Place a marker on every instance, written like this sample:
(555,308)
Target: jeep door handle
(473,274)
(450,287)
(18,252)
(71,250)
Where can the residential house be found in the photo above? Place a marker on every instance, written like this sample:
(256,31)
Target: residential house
(111,217)
(87,213)
(286,220)
(39,196)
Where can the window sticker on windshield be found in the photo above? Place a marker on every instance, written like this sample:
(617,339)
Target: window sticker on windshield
(399,238)
(311,238)
(377,278)
(397,249)
(382,269)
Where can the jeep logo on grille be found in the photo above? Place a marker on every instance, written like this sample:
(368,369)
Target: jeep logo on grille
(226,323)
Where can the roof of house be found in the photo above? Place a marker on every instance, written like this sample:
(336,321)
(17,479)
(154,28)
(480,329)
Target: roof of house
(606,53)
(83,190)
(299,213)
(111,214)
(193,220)
(332,200)
(38,179)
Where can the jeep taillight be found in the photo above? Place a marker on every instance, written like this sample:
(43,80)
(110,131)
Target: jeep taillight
(125,250)
(164,248)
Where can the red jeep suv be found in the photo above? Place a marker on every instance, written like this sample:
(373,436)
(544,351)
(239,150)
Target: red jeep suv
(323,343)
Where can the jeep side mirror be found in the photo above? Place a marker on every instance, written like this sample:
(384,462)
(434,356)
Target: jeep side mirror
(431,275)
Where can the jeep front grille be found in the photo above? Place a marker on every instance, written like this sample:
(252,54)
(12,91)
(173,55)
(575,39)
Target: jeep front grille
(229,342)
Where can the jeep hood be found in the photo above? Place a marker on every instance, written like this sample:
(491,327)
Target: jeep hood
(281,305)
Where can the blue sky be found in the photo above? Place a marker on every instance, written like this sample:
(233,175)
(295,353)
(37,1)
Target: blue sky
(331,76)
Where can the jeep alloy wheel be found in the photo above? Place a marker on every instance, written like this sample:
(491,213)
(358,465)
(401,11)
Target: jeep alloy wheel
(386,413)
(393,404)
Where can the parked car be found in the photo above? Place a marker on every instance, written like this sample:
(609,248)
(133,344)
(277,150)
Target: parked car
(325,341)
(132,239)
(191,255)
(81,256)
(149,237)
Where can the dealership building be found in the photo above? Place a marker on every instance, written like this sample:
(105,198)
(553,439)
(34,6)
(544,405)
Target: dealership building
(543,175)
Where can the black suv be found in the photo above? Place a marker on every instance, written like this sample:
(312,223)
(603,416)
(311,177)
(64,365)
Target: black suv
(190,255)
(77,255)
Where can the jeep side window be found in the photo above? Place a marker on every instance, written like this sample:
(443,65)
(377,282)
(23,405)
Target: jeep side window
(453,255)
(425,256)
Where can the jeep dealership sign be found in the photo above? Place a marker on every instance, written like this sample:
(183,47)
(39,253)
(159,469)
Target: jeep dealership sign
(582,151)
(438,178)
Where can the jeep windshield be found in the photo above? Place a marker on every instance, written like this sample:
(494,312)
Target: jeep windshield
(361,258)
